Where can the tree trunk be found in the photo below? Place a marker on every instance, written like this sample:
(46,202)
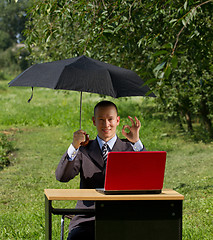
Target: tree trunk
(189,121)
(204,110)
(180,123)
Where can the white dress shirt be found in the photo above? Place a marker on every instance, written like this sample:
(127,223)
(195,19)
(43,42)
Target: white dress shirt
(72,152)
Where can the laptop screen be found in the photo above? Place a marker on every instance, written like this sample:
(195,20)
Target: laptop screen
(135,170)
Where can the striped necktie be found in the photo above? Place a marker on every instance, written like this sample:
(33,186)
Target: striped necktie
(105,152)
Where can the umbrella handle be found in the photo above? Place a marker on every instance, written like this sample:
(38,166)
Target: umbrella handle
(87,136)
(85,143)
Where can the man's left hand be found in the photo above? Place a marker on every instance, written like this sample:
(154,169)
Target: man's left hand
(133,134)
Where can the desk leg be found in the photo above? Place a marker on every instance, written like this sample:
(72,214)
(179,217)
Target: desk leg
(150,220)
(48,219)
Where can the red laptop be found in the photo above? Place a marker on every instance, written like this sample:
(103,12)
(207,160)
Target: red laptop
(134,172)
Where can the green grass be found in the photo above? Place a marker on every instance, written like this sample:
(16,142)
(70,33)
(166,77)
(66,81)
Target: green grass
(41,132)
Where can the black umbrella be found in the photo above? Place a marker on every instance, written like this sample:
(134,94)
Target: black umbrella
(83,74)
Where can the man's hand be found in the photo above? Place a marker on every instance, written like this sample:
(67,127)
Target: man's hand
(133,134)
(79,137)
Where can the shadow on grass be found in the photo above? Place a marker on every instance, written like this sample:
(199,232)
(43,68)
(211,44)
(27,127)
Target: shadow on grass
(193,187)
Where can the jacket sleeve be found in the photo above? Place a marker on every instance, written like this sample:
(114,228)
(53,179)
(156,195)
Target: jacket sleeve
(66,169)
(128,142)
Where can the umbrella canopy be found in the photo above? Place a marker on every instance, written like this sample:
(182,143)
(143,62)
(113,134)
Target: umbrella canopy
(84,74)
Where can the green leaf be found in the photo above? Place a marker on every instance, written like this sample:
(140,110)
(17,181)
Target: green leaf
(174,62)
(185,5)
(162,52)
(48,38)
(140,42)
(118,28)
(149,92)
(184,22)
(173,20)
(159,67)
(168,45)
(150,81)
(108,31)
(167,72)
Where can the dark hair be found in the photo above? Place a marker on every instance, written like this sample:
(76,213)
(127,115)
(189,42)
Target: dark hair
(105,104)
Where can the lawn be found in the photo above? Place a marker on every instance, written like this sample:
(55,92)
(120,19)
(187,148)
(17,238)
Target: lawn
(41,131)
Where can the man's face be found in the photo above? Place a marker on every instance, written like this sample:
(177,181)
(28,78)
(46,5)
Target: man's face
(106,122)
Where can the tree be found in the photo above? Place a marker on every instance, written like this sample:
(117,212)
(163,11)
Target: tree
(192,77)
(12,22)
(169,44)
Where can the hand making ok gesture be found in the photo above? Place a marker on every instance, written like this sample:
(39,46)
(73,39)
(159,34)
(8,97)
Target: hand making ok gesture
(133,134)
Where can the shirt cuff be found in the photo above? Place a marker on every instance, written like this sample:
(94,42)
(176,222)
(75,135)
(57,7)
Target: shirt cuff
(72,152)
(138,146)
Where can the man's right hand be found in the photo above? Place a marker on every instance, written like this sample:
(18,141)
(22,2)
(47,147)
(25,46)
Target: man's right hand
(78,138)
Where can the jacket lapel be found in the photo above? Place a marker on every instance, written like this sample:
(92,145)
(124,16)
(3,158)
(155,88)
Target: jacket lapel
(121,146)
(95,154)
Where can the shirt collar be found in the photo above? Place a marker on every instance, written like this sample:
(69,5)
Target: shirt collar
(110,143)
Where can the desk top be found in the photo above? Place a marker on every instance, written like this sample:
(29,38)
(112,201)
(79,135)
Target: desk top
(93,195)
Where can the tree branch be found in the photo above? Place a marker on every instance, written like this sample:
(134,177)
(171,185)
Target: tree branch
(130,9)
(178,35)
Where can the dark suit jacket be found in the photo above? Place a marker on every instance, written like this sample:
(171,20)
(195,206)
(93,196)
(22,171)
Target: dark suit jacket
(90,164)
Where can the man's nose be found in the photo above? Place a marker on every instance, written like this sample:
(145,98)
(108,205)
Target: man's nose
(106,123)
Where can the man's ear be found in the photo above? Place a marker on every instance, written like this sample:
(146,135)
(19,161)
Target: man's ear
(93,119)
(118,120)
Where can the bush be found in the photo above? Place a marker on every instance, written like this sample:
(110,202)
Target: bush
(6,147)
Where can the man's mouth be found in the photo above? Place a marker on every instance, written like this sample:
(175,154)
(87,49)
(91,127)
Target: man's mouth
(106,130)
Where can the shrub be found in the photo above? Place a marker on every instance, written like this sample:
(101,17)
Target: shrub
(6,147)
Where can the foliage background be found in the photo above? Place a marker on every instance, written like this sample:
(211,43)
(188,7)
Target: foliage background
(169,44)
(140,35)
(13,15)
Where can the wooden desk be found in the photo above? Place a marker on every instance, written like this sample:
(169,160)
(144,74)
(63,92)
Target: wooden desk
(148,216)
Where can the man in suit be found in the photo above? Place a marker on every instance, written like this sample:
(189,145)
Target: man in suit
(89,160)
